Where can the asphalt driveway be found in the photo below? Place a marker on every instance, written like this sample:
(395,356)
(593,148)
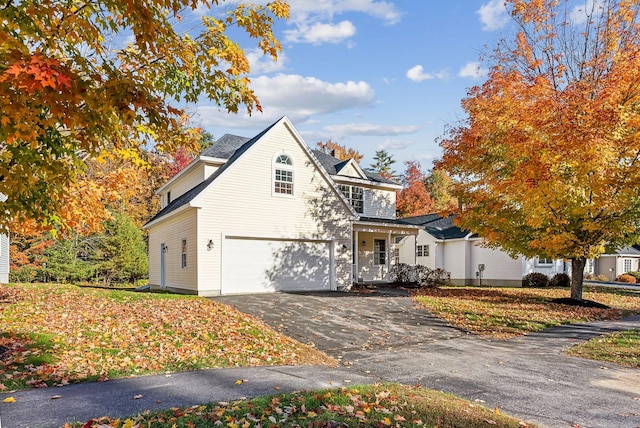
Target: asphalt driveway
(339,322)
(385,335)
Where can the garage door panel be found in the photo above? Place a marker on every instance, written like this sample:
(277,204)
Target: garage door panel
(260,266)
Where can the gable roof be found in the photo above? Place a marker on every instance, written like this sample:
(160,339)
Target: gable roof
(225,146)
(234,146)
(190,195)
(334,165)
(440,227)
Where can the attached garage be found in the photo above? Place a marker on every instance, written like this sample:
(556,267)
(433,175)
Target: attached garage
(251,265)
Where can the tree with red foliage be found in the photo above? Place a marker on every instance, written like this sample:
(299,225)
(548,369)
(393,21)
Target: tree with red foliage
(414,199)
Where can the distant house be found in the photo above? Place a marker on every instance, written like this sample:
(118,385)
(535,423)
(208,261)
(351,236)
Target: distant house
(616,263)
(268,214)
(441,244)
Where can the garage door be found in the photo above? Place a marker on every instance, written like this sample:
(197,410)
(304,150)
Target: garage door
(262,266)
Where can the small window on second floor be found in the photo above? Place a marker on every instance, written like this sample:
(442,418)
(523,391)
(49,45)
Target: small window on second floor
(543,261)
(355,196)
(283,175)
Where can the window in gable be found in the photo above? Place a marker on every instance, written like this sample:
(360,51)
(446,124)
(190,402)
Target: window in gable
(283,175)
(355,196)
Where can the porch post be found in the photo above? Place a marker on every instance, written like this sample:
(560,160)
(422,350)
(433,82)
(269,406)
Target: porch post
(354,267)
(388,255)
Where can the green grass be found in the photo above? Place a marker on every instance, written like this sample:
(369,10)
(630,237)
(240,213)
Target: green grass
(507,312)
(620,348)
(358,406)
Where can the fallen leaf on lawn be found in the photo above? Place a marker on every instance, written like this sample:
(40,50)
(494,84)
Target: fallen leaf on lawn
(137,396)
(55,397)
(496,410)
(399,418)
(239,382)
(9,400)
(491,422)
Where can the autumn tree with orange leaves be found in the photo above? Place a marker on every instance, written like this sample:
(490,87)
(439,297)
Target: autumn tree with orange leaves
(338,151)
(413,199)
(548,161)
(78,79)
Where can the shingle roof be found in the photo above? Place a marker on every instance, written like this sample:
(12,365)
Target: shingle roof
(225,146)
(399,221)
(333,165)
(187,197)
(439,227)
(633,250)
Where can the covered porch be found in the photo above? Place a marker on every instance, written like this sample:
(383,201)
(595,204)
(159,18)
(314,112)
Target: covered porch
(374,247)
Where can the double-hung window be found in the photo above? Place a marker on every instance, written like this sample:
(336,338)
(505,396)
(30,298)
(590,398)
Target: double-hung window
(379,252)
(184,254)
(283,175)
(422,250)
(355,196)
(627,266)
(543,261)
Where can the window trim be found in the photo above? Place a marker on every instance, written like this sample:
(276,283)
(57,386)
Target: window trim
(379,254)
(183,253)
(624,265)
(422,250)
(349,195)
(546,262)
(280,168)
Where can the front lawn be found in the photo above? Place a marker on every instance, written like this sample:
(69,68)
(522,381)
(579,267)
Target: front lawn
(620,348)
(508,312)
(57,334)
(388,405)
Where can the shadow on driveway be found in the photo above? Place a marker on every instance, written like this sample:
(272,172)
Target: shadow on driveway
(337,322)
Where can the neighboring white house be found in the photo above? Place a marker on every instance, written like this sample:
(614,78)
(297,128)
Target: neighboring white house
(612,265)
(269,214)
(441,244)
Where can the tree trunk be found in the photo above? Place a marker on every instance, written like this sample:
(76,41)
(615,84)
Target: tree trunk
(577,275)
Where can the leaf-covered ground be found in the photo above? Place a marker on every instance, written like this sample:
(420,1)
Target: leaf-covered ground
(508,312)
(388,405)
(57,334)
(621,348)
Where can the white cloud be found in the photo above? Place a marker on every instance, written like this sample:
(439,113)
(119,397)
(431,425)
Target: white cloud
(417,74)
(321,33)
(473,70)
(394,144)
(296,96)
(370,129)
(589,10)
(261,63)
(306,10)
(493,15)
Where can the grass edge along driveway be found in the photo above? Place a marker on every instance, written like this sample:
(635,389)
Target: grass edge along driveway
(502,312)
(55,334)
(381,405)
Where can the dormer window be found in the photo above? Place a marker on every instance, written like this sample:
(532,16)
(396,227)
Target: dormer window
(283,175)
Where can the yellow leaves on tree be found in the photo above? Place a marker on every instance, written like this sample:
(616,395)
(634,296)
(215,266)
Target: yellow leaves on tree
(548,161)
(73,87)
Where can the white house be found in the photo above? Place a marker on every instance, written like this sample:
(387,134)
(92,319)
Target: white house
(441,244)
(269,214)
(616,263)
(4,252)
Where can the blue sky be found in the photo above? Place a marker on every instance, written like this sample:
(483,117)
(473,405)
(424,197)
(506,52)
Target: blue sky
(370,74)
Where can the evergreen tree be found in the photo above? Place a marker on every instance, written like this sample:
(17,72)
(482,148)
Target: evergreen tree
(382,165)
(122,252)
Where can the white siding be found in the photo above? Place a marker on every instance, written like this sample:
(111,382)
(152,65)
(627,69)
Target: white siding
(379,203)
(350,171)
(4,258)
(408,250)
(184,183)
(532,265)
(240,202)
(171,232)
(497,264)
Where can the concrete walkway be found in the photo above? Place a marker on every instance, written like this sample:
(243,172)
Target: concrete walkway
(376,337)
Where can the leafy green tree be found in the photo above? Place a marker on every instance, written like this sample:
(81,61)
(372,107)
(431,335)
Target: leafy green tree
(122,252)
(69,259)
(382,165)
